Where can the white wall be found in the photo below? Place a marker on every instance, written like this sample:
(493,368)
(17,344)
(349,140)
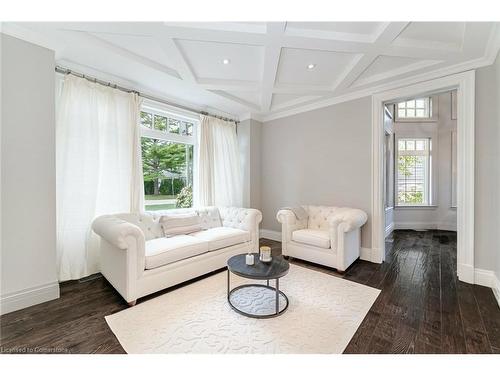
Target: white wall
(321,157)
(249,140)
(442,215)
(28,223)
(487,174)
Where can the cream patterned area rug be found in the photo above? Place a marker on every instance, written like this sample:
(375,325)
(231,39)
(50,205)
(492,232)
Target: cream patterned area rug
(324,313)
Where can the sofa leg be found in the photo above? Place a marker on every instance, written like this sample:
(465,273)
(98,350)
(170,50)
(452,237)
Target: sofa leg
(132,303)
(341,272)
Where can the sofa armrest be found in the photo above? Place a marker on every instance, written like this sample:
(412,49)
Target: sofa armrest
(245,219)
(116,231)
(240,218)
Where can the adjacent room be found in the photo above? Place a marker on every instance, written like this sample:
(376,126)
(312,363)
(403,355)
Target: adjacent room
(235,187)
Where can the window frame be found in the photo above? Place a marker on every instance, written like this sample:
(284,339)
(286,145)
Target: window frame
(428,171)
(164,110)
(433,110)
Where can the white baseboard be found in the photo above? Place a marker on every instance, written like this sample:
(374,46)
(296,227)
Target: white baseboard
(28,297)
(365,253)
(370,255)
(483,277)
(270,234)
(389,229)
(425,225)
(489,279)
(496,287)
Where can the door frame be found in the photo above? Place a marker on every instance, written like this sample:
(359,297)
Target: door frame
(465,85)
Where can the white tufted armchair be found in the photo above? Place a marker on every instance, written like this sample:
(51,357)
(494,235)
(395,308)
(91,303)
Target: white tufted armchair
(330,236)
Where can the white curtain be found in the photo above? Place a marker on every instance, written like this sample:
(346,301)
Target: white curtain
(219,173)
(99,169)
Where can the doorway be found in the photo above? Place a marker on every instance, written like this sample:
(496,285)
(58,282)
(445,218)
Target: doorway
(464,193)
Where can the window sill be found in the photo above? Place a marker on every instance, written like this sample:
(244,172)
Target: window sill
(415,207)
(416,120)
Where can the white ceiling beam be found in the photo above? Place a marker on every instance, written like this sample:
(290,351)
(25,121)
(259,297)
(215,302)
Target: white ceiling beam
(272,52)
(385,38)
(211,35)
(249,105)
(226,84)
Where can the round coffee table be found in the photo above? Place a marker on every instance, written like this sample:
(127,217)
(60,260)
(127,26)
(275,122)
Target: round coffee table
(277,268)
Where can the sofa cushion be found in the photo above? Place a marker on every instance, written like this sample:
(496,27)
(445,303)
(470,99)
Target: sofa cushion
(222,237)
(162,251)
(177,224)
(313,237)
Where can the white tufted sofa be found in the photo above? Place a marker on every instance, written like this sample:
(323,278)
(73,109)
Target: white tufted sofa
(328,235)
(137,259)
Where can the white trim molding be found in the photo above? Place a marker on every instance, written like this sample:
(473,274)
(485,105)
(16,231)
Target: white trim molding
(420,225)
(389,229)
(270,234)
(489,279)
(28,297)
(365,253)
(495,285)
(465,85)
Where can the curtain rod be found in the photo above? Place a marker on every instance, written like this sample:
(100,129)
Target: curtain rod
(63,70)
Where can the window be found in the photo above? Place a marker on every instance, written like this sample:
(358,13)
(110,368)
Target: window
(414,109)
(414,172)
(168,147)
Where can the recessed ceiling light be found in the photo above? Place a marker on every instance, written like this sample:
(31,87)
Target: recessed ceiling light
(311,66)
(226,61)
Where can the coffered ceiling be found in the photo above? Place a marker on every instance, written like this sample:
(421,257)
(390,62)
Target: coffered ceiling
(264,69)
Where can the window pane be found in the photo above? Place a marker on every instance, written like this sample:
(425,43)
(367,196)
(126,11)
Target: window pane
(401,145)
(173,126)
(415,108)
(186,128)
(189,128)
(168,174)
(160,123)
(412,175)
(146,119)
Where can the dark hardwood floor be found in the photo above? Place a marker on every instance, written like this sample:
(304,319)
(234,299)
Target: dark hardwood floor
(422,308)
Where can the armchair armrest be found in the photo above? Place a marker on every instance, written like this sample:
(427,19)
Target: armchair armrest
(289,224)
(344,220)
(116,231)
(350,218)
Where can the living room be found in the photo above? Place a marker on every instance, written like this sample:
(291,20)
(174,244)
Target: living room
(289,185)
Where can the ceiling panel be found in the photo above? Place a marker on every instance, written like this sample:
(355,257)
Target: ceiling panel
(384,64)
(328,66)
(451,33)
(144,46)
(267,74)
(206,60)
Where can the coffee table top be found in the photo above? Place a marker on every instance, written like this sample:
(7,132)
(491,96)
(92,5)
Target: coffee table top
(278,267)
